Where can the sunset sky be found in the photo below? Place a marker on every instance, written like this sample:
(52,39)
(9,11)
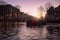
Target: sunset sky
(31,6)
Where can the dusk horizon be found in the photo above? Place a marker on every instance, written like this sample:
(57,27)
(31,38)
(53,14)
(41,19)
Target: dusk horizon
(31,6)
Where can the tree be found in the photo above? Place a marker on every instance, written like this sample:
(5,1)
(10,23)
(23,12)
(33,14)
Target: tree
(48,5)
(41,12)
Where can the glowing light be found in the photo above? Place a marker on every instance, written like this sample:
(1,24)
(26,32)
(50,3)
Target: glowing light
(33,13)
(41,13)
(38,15)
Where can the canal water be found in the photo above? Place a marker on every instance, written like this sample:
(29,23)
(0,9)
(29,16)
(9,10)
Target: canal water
(22,32)
(45,32)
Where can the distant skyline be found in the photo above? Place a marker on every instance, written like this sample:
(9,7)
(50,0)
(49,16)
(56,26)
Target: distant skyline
(31,6)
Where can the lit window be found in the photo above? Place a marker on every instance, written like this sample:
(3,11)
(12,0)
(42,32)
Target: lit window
(15,15)
(0,17)
(10,14)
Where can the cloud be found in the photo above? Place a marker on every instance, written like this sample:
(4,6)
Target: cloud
(58,1)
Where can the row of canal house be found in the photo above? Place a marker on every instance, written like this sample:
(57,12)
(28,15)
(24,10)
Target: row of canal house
(53,15)
(10,19)
(10,16)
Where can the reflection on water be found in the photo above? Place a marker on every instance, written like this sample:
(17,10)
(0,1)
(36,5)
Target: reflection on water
(22,32)
(26,33)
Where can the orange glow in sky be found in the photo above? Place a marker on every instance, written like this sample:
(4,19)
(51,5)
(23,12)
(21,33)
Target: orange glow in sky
(31,6)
